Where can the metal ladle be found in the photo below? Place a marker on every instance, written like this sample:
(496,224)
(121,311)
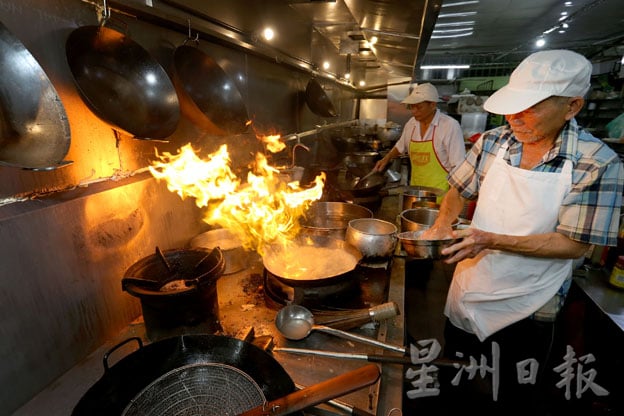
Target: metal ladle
(295,322)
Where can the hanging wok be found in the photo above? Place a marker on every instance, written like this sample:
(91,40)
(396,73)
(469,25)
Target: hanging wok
(176,373)
(122,83)
(207,96)
(34,132)
(318,101)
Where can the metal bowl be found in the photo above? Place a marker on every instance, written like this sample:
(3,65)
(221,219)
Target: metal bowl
(416,247)
(331,219)
(421,218)
(412,196)
(372,237)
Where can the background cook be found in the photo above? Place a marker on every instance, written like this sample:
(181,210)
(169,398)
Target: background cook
(433,140)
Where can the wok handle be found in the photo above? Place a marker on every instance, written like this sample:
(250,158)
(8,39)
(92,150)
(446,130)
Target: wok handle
(318,393)
(116,347)
(359,338)
(374,358)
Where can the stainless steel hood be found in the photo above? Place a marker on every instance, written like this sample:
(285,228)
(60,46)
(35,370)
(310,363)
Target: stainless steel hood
(339,32)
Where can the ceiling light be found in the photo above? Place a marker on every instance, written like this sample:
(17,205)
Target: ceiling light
(562,31)
(564,13)
(362,83)
(268,33)
(347,75)
(460,29)
(374,40)
(444,66)
(540,42)
(565,26)
(326,65)
(567,4)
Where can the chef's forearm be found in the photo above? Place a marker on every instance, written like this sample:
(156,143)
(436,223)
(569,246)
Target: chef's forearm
(383,162)
(549,245)
(450,207)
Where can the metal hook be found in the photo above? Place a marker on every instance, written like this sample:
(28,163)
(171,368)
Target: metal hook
(188,37)
(106,13)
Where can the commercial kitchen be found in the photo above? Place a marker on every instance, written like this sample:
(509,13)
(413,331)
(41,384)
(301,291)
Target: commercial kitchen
(155,152)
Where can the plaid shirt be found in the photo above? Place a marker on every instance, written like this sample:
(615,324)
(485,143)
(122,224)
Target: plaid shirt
(590,213)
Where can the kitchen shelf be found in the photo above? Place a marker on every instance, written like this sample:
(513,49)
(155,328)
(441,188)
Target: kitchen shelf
(598,112)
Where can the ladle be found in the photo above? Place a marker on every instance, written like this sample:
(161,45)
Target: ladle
(295,322)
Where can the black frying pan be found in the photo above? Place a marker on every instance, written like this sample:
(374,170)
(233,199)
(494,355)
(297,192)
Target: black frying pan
(207,96)
(122,83)
(34,132)
(128,379)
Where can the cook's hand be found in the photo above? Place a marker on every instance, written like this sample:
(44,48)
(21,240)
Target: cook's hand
(380,165)
(437,232)
(472,242)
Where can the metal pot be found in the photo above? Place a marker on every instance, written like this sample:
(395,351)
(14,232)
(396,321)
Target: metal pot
(411,196)
(233,253)
(34,132)
(330,219)
(122,83)
(372,236)
(207,96)
(204,359)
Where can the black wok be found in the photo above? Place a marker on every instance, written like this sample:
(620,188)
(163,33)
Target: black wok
(34,132)
(122,83)
(282,258)
(126,381)
(318,101)
(207,96)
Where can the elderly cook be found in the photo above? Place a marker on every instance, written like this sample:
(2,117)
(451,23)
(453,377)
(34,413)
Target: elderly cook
(546,191)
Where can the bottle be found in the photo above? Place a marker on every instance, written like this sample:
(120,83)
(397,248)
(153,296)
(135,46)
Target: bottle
(617,274)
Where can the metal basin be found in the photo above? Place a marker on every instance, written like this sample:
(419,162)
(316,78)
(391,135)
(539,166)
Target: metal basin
(416,247)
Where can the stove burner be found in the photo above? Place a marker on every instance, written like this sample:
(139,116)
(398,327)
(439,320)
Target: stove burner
(365,286)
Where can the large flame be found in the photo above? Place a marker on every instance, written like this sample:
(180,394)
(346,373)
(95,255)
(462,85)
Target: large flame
(262,211)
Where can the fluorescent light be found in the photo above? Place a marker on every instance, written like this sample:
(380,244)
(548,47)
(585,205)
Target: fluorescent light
(462,14)
(461,3)
(467,23)
(461,29)
(540,42)
(457,35)
(444,66)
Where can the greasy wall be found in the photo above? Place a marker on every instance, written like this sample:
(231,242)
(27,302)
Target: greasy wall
(68,234)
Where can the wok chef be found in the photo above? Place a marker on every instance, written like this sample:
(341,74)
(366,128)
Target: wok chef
(433,140)
(546,190)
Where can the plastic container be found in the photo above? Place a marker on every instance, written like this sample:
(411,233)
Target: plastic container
(617,274)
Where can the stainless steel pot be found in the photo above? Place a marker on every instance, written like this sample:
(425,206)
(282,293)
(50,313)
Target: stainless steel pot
(372,237)
(330,219)
(231,247)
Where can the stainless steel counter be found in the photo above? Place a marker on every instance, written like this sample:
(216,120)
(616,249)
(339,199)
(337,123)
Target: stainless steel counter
(594,282)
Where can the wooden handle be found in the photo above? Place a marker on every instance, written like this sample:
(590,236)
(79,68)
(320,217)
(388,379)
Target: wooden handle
(319,393)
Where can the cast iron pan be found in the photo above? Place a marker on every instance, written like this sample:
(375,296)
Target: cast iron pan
(123,384)
(207,96)
(122,83)
(34,132)
(318,101)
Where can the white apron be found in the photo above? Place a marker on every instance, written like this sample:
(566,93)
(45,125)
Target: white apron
(495,288)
